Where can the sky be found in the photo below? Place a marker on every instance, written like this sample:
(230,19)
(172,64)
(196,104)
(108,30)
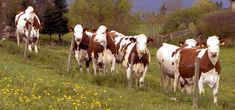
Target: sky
(154,5)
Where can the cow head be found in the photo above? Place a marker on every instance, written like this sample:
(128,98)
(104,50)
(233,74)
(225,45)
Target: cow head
(100,36)
(188,43)
(78,33)
(213,44)
(30,14)
(141,44)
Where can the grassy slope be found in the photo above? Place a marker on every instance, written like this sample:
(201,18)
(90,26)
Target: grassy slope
(43,84)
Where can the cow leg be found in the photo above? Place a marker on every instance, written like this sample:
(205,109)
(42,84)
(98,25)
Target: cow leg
(78,60)
(163,79)
(169,84)
(30,47)
(17,37)
(94,62)
(36,48)
(188,88)
(128,74)
(200,85)
(87,66)
(143,76)
(176,81)
(113,64)
(215,89)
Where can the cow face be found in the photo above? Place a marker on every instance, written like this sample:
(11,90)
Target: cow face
(191,43)
(141,44)
(100,36)
(30,14)
(78,33)
(213,48)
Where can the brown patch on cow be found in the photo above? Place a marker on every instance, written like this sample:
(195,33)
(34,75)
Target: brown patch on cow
(84,44)
(94,47)
(177,50)
(36,23)
(27,25)
(33,40)
(186,64)
(150,40)
(112,35)
(111,45)
(144,58)
(118,44)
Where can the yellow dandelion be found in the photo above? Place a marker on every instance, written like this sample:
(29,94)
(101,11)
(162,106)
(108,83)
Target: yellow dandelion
(96,93)
(97,103)
(21,99)
(104,91)
(27,100)
(109,99)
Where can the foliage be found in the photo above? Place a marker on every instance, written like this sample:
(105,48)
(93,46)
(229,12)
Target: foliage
(181,19)
(220,23)
(93,13)
(54,19)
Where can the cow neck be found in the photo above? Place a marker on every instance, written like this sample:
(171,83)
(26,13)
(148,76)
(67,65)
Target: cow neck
(177,50)
(143,59)
(119,43)
(17,20)
(84,42)
(205,61)
(111,44)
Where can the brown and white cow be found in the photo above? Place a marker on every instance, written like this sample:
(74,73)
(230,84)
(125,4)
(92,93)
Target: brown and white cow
(102,50)
(209,66)
(137,58)
(24,21)
(165,57)
(82,39)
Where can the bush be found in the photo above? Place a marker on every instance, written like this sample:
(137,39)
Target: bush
(220,23)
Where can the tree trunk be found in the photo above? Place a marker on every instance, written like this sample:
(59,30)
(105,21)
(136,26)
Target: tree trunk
(60,39)
(50,37)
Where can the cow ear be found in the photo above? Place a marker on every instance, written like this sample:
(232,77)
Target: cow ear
(94,30)
(107,30)
(133,40)
(150,40)
(181,43)
(222,42)
(71,29)
(201,44)
(85,29)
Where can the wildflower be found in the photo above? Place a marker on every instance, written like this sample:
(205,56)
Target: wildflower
(97,103)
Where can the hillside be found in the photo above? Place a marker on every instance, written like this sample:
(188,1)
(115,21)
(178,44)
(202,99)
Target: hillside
(42,83)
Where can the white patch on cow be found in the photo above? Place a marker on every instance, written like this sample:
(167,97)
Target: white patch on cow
(190,43)
(78,33)
(128,51)
(213,48)
(101,36)
(138,68)
(201,53)
(89,34)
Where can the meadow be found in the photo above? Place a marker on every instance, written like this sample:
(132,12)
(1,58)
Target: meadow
(42,83)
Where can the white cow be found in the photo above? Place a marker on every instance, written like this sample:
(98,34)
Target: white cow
(24,21)
(166,59)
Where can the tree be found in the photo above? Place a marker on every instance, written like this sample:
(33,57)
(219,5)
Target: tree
(54,20)
(115,14)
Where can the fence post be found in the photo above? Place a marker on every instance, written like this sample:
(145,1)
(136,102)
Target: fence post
(70,55)
(195,93)
(27,44)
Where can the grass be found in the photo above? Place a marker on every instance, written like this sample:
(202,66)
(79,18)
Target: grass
(42,83)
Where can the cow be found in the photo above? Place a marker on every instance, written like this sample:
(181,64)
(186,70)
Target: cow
(209,69)
(137,58)
(81,43)
(102,50)
(28,22)
(165,59)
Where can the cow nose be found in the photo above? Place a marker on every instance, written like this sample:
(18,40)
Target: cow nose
(78,39)
(142,52)
(213,54)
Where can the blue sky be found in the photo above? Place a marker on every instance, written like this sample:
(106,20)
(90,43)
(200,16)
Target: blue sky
(154,5)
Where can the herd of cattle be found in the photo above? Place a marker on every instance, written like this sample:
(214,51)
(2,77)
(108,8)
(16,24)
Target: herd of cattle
(105,49)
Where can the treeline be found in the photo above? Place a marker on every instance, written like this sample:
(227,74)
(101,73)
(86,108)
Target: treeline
(116,14)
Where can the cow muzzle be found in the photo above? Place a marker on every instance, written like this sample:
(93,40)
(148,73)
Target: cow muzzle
(78,39)
(213,54)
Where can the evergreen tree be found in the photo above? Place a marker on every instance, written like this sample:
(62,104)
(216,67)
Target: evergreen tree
(54,21)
